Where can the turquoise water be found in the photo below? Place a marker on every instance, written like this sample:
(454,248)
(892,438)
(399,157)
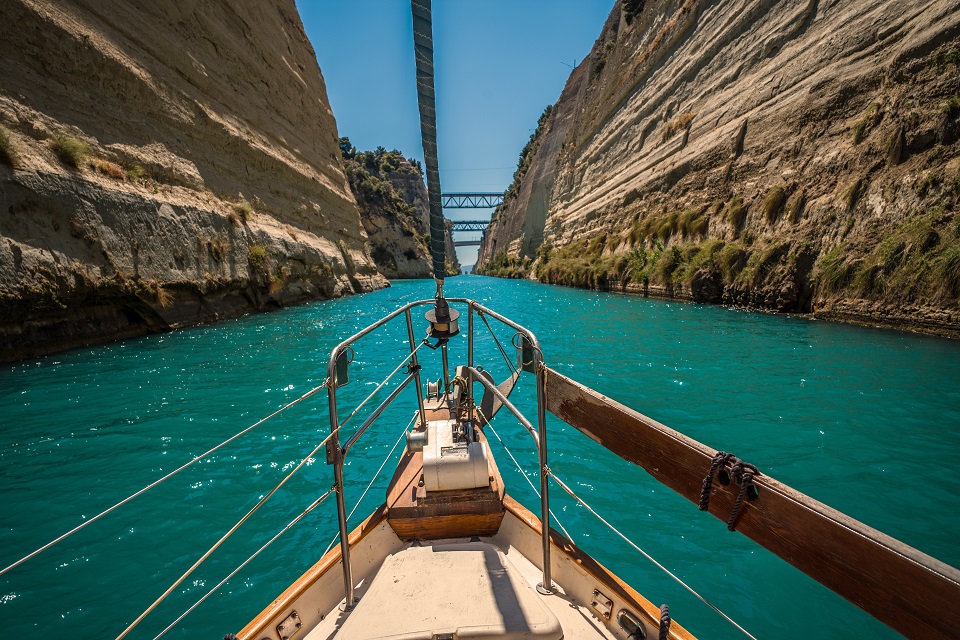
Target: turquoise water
(867,421)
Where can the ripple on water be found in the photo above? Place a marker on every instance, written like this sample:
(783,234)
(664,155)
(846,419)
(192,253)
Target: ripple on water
(841,413)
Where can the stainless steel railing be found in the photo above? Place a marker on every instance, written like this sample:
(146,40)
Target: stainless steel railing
(337,453)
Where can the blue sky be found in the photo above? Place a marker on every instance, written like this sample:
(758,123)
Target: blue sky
(498,64)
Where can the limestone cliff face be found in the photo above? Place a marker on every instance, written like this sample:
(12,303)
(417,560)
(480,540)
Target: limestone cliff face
(164,164)
(796,155)
(395,212)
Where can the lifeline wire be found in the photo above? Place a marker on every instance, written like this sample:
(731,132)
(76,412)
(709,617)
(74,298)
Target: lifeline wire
(648,556)
(290,525)
(229,533)
(256,506)
(520,469)
(374,479)
(385,381)
(163,479)
(510,366)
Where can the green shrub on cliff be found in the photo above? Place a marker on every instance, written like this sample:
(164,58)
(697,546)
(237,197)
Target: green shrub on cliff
(503,266)
(918,260)
(950,107)
(258,258)
(736,213)
(71,151)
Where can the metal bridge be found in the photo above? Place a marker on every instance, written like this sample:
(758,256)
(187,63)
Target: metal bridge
(471,200)
(468,225)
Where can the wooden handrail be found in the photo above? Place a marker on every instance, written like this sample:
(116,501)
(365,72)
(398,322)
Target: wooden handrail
(909,591)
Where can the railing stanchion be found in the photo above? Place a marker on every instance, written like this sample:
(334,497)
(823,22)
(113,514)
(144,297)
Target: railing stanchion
(547,585)
(470,402)
(446,373)
(415,364)
(335,457)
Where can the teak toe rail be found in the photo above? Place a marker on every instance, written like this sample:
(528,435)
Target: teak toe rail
(905,589)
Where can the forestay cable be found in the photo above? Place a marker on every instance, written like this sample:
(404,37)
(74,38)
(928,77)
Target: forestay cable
(647,555)
(316,503)
(163,479)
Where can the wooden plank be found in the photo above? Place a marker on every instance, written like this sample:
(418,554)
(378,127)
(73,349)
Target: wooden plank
(604,576)
(902,587)
(440,527)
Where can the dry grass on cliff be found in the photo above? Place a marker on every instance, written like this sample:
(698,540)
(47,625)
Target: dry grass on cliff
(72,151)
(8,153)
(870,119)
(774,203)
(241,210)
(110,169)
(153,290)
(679,123)
(736,213)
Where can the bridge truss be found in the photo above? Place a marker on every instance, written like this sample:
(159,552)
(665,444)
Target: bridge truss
(471,200)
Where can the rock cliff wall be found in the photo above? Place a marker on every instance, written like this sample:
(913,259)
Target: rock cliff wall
(795,155)
(164,164)
(395,212)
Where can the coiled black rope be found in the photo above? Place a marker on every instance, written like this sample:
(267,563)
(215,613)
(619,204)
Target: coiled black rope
(664,622)
(742,473)
(719,461)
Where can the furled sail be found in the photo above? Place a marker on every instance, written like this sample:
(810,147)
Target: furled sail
(426,99)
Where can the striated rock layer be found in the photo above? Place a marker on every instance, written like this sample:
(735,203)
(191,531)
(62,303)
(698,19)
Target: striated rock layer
(793,155)
(161,165)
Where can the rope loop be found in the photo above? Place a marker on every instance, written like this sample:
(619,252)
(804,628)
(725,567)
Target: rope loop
(664,622)
(718,462)
(744,477)
(741,473)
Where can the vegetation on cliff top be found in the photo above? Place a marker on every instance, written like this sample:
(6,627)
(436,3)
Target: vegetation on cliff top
(372,176)
(672,252)
(369,175)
